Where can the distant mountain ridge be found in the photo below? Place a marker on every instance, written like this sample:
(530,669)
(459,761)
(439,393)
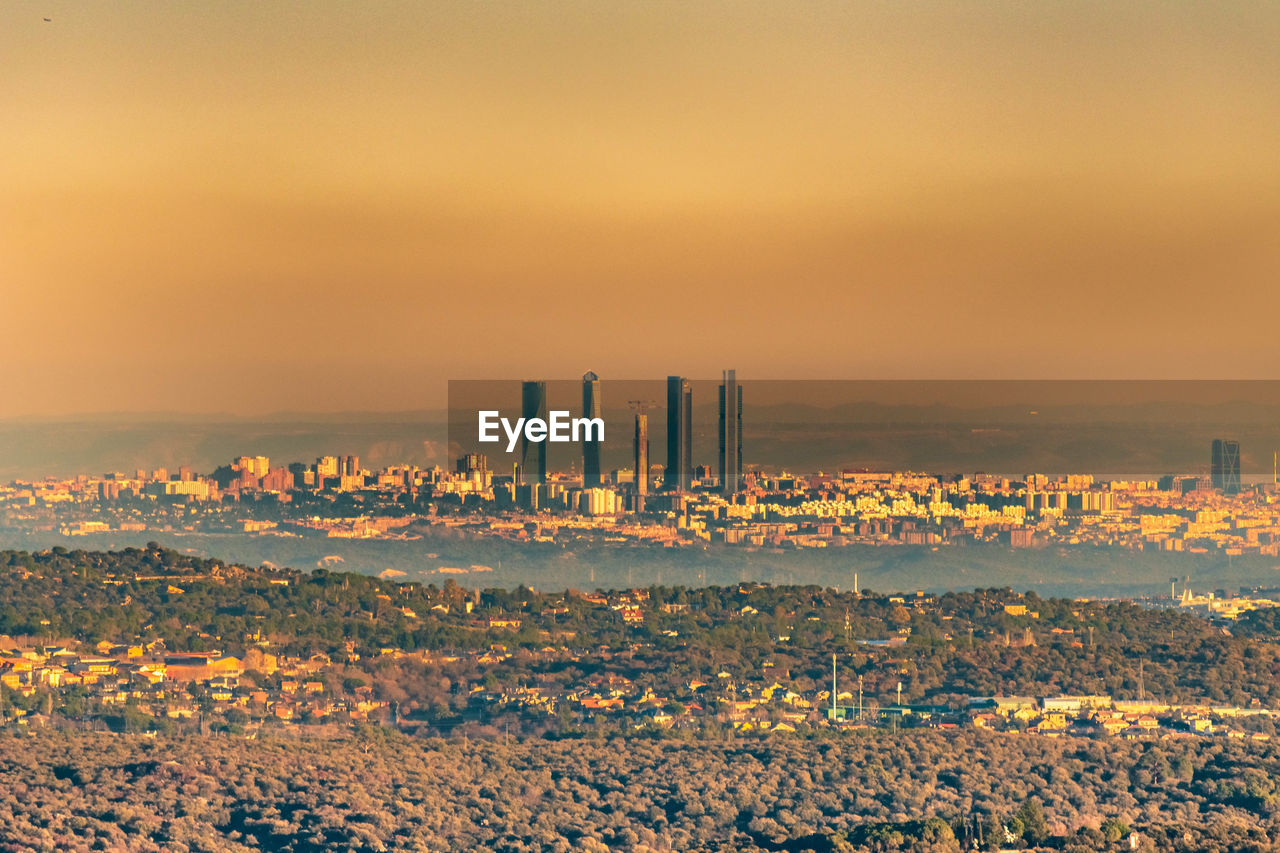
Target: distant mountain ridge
(1143,438)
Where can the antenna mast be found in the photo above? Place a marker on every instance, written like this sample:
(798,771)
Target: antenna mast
(833,687)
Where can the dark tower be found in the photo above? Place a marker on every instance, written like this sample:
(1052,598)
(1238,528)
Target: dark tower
(590,445)
(533,404)
(1224,466)
(679,473)
(730,433)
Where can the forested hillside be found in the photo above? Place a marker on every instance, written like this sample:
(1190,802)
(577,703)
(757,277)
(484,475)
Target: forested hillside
(380,792)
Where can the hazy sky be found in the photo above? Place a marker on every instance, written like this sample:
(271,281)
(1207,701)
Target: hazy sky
(257,206)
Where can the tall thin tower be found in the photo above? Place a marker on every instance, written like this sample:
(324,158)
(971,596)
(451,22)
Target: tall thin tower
(730,433)
(590,443)
(533,404)
(834,694)
(640,451)
(679,473)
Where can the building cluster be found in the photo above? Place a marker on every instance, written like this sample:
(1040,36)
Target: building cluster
(631,487)
(675,505)
(581,682)
(1082,716)
(887,508)
(179,685)
(772,703)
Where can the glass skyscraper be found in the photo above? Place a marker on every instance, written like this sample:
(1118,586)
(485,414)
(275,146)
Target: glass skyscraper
(730,433)
(679,473)
(1224,466)
(590,445)
(533,404)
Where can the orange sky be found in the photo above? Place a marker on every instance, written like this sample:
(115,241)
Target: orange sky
(251,207)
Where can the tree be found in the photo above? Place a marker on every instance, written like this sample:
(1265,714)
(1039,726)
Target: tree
(1035,829)
(1114,829)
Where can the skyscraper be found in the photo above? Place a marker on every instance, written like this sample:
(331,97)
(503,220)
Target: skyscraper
(472,463)
(730,433)
(641,452)
(1224,466)
(679,473)
(533,404)
(590,444)
(258,466)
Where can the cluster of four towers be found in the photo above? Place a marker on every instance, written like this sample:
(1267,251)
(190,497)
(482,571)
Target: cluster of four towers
(678,474)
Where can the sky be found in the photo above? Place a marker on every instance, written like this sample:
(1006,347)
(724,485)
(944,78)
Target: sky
(250,207)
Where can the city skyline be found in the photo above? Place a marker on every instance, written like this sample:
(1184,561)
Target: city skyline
(305,508)
(998,569)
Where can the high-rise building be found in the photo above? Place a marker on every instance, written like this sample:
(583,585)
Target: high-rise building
(1224,466)
(255,465)
(277,480)
(590,442)
(640,449)
(533,404)
(301,474)
(598,502)
(730,433)
(679,472)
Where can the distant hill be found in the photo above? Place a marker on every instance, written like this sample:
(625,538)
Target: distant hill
(1112,429)
(62,448)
